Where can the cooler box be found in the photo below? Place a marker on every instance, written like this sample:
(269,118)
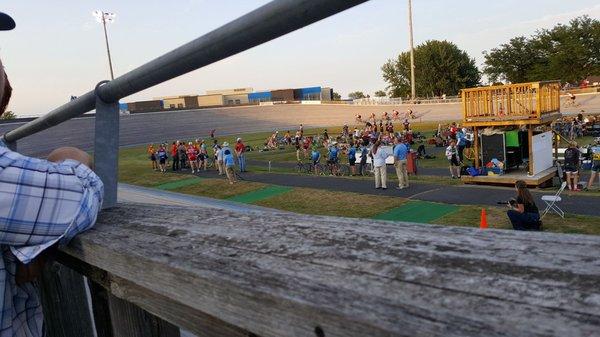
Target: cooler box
(411,163)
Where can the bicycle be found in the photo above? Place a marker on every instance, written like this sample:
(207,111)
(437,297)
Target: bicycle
(469,153)
(337,169)
(571,104)
(210,162)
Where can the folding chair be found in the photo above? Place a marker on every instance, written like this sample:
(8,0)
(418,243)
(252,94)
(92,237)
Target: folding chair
(551,201)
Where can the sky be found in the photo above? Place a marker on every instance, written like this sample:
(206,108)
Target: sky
(57,49)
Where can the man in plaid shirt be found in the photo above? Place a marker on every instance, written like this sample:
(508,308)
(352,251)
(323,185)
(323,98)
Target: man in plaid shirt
(43,204)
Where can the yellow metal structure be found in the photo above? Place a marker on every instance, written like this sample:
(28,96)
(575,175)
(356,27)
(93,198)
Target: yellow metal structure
(522,104)
(513,104)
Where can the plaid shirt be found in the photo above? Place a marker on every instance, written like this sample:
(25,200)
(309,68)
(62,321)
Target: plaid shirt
(41,203)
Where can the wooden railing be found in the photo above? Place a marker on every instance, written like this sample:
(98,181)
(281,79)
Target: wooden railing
(152,269)
(514,102)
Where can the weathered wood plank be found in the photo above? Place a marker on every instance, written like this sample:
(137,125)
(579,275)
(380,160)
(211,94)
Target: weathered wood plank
(128,320)
(286,275)
(180,315)
(64,302)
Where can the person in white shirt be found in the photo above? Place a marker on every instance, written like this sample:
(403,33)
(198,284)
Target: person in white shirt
(453,160)
(379,154)
(219,161)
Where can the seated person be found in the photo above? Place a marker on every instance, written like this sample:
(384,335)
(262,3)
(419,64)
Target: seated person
(524,214)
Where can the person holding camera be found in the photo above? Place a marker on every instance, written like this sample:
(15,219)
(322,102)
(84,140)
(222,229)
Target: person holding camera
(524,214)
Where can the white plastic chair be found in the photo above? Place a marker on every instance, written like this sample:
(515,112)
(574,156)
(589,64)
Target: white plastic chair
(552,200)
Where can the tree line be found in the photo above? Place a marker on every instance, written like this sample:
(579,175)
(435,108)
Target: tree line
(569,53)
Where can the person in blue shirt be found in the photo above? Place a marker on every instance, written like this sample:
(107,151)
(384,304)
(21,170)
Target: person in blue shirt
(352,158)
(332,160)
(315,156)
(162,158)
(229,165)
(400,154)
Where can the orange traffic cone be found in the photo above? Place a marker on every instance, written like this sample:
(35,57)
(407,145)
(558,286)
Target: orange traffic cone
(483,223)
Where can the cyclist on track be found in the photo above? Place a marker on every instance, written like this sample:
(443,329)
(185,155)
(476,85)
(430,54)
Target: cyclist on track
(385,116)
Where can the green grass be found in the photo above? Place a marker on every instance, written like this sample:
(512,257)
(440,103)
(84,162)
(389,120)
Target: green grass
(418,211)
(261,194)
(220,188)
(135,169)
(470,216)
(322,202)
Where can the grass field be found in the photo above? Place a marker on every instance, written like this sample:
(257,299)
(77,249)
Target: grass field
(134,168)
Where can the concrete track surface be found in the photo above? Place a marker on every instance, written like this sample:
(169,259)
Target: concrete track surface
(190,124)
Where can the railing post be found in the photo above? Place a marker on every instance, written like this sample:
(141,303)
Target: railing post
(106,147)
(12,145)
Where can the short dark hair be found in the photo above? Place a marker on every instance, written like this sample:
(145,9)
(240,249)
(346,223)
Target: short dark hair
(227,152)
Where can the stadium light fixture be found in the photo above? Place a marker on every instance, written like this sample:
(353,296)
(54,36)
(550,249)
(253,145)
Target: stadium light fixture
(104,18)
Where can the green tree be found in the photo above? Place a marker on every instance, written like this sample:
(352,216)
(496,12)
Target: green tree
(7,115)
(512,62)
(566,52)
(440,68)
(380,93)
(336,96)
(356,95)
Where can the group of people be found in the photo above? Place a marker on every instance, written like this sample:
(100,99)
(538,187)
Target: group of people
(195,156)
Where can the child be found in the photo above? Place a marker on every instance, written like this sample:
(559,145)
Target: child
(152,156)
(229,165)
(162,158)
(452,155)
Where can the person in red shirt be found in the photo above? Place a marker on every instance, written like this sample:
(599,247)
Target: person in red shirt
(175,156)
(240,148)
(192,155)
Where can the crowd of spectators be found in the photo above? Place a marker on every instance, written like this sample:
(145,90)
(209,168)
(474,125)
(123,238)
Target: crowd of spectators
(196,156)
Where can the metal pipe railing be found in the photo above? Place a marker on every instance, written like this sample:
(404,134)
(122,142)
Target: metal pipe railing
(266,23)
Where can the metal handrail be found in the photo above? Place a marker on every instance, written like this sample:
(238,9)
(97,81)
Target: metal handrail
(266,23)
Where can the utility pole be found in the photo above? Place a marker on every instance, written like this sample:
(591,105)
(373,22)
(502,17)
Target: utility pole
(413,93)
(104,17)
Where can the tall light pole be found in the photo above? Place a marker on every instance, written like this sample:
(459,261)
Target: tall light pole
(103,18)
(413,92)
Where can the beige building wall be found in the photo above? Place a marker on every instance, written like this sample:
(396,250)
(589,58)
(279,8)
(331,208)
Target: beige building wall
(175,102)
(210,100)
(235,99)
(236,91)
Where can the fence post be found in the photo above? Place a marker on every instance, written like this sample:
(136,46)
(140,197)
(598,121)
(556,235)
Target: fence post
(65,302)
(106,147)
